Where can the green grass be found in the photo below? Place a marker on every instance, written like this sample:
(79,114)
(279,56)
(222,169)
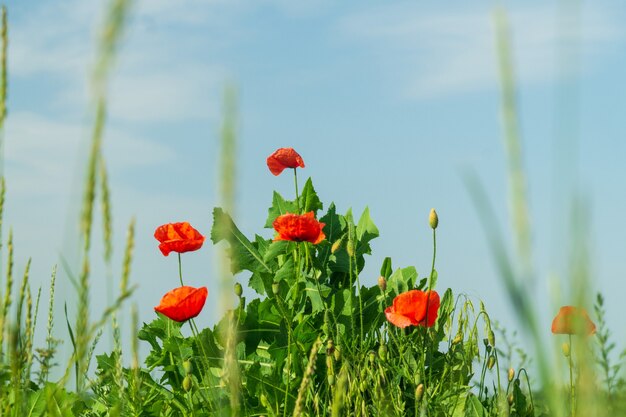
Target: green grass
(312,341)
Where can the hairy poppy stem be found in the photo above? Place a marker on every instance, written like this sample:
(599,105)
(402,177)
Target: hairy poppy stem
(295,179)
(180,270)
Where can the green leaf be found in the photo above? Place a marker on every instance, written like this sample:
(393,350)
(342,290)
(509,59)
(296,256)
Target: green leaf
(279,247)
(309,201)
(287,272)
(473,407)
(334,224)
(366,230)
(36,404)
(386,270)
(279,207)
(314,295)
(243,254)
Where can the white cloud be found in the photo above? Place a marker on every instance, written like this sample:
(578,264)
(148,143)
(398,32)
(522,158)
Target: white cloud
(440,53)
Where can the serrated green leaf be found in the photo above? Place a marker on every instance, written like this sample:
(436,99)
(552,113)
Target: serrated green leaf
(243,254)
(279,207)
(312,292)
(309,201)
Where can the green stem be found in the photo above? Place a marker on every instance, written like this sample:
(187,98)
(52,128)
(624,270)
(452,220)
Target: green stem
(180,270)
(295,178)
(571,377)
(430,283)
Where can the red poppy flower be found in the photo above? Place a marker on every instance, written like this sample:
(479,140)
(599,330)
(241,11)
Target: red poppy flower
(409,309)
(299,228)
(284,158)
(178,237)
(572,320)
(182,303)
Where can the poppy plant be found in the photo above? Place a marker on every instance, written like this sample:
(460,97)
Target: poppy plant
(572,320)
(299,228)
(410,309)
(182,303)
(178,237)
(284,158)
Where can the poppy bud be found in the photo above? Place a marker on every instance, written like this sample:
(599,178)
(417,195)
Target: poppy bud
(492,338)
(238,289)
(457,339)
(187,367)
(382,283)
(275,288)
(382,352)
(187,383)
(491,361)
(372,356)
(331,379)
(511,374)
(350,247)
(264,402)
(419,392)
(566,349)
(336,246)
(510,399)
(433,219)
(337,354)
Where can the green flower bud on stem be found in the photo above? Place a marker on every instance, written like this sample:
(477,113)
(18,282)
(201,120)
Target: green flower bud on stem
(492,338)
(491,362)
(238,289)
(566,349)
(511,374)
(350,247)
(371,356)
(275,288)
(336,246)
(187,383)
(382,283)
(433,219)
(187,367)
(419,392)
(382,352)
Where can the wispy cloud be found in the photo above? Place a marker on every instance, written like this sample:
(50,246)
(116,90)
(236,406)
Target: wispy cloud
(441,52)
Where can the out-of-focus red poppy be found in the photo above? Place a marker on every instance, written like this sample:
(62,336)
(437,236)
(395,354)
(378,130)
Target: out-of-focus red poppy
(182,303)
(299,228)
(572,320)
(178,237)
(409,309)
(284,158)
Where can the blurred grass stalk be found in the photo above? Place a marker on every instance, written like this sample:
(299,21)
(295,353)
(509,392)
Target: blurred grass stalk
(230,372)
(517,272)
(115,19)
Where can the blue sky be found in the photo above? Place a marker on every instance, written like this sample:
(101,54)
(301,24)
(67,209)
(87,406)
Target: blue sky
(388,104)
